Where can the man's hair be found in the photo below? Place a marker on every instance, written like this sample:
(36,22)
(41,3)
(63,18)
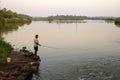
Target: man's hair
(36,35)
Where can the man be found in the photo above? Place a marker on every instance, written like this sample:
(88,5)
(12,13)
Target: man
(36,44)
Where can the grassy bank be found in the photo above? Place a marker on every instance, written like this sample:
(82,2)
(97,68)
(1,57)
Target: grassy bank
(5,49)
(117,20)
(8,17)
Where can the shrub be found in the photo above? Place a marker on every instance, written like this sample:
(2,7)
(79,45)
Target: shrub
(117,20)
(5,48)
(2,21)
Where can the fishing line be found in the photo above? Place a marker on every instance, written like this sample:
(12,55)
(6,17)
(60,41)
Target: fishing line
(51,47)
(66,49)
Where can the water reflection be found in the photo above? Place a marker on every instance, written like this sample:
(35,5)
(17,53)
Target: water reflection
(76,27)
(75,22)
(118,25)
(109,21)
(10,27)
(67,21)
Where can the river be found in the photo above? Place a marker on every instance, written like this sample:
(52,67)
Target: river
(79,50)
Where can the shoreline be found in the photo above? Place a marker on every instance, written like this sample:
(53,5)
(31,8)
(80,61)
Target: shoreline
(22,66)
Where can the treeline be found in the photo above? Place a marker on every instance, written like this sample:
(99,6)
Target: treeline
(59,17)
(8,16)
(66,17)
(72,17)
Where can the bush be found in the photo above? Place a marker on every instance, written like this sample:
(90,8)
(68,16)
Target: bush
(18,20)
(1,25)
(2,21)
(5,48)
(117,20)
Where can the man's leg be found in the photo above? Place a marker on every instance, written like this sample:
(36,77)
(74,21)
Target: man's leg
(36,49)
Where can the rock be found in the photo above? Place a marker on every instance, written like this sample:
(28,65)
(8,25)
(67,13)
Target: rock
(21,77)
(26,68)
(17,69)
(3,78)
(28,54)
(24,48)
(24,74)
(5,74)
(16,73)
(13,66)
(11,78)
(1,72)
(23,65)
(34,63)
(37,58)
(34,69)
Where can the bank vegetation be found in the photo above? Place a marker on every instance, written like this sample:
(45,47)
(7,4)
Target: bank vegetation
(6,18)
(117,20)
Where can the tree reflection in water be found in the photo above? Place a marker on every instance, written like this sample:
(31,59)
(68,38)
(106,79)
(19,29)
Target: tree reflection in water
(10,27)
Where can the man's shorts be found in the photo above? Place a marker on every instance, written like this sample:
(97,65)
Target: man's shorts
(36,48)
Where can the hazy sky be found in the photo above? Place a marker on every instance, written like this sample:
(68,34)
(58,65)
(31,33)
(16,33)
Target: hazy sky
(64,7)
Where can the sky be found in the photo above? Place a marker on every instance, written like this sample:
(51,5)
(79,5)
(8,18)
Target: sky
(43,8)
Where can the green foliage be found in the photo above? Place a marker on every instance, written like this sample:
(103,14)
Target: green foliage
(117,20)
(18,20)
(1,25)
(66,17)
(5,48)
(7,13)
(71,17)
(23,16)
(8,16)
(2,21)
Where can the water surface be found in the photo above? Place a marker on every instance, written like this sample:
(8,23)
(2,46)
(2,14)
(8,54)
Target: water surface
(72,51)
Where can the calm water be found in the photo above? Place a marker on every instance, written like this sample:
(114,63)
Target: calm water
(87,50)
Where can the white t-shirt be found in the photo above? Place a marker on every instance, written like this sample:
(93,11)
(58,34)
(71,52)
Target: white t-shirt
(36,42)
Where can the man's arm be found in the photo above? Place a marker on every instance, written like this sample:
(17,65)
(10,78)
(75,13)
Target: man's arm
(37,42)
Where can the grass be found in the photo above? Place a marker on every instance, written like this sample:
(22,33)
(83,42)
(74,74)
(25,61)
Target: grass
(5,49)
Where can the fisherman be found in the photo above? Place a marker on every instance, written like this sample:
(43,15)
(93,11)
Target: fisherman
(36,44)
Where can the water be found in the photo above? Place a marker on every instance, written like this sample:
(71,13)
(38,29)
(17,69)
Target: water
(87,50)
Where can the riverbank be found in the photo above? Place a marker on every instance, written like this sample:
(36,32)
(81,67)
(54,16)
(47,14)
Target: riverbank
(5,48)
(8,16)
(21,67)
(117,20)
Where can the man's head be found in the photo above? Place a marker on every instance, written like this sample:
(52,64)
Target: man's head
(36,36)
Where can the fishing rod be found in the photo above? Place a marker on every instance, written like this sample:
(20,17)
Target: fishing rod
(57,48)
(50,47)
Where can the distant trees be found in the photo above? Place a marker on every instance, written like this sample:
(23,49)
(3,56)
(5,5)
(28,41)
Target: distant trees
(8,16)
(59,17)
(7,13)
(72,17)
(66,17)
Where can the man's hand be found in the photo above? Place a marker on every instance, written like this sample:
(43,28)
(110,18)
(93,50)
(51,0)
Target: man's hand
(40,45)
